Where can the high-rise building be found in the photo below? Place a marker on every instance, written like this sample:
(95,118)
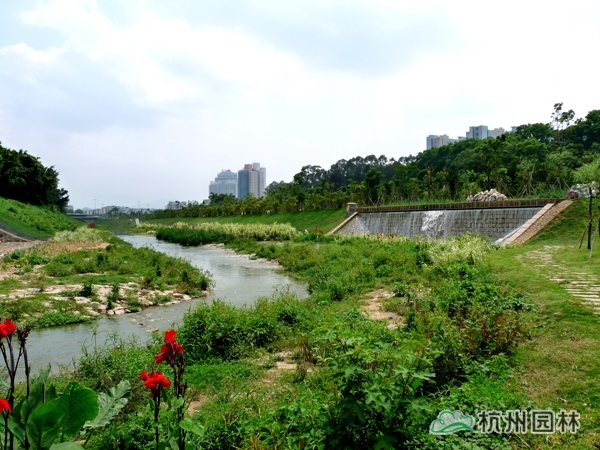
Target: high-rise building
(252,179)
(478,132)
(497,132)
(434,141)
(226,182)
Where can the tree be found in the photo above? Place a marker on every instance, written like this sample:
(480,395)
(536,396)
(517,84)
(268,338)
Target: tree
(492,153)
(373,180)
(24,178)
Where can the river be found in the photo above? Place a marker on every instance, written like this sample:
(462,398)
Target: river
(237,280)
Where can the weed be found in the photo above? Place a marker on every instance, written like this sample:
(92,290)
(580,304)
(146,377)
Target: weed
(87,289)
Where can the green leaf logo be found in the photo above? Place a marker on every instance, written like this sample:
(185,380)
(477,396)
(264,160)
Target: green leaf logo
(450,422)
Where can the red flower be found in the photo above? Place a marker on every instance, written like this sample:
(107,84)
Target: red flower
(4,405)
(170,350)
(6,328)
(152,381)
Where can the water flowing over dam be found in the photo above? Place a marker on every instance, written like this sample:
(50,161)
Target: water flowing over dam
(495,223)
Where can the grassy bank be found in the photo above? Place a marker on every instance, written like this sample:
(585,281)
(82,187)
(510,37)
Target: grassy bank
(33,221)
(560,363)
(75,277)
(324,220)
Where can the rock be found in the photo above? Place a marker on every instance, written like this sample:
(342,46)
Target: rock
(487,196)
(102,307)
(80,300)
(583,190)
(186,297)
(177,295)
(175,302)
(153,330)
(110,312)
(120,310)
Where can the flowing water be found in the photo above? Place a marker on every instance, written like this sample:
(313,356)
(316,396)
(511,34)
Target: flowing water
(238,280)
(495,223)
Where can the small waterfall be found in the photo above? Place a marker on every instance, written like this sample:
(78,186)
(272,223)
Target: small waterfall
(433,224)
(494,223)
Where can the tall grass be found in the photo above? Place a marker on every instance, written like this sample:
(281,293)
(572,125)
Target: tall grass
(207,232)
(81,234)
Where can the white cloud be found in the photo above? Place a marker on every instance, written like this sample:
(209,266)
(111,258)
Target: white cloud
(167,95)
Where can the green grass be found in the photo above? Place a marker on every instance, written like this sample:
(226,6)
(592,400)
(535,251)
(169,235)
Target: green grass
(52,265)
(33,221)
(325,220)
(558,366)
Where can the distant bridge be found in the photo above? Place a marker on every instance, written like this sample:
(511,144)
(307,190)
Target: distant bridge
(87,218)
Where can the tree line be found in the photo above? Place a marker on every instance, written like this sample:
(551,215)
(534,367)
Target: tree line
(536,160)
(24,178)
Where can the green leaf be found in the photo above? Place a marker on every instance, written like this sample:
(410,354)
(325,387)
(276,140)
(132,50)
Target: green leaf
(177,402)
(44,424)
(15,425)
(66,446)
(35,395)
(189,425)
(109,405)
(80,404)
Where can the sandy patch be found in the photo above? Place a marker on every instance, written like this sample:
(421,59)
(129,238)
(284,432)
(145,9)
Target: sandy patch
(373,309)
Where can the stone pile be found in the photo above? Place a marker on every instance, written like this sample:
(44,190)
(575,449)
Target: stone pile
(487,196)
(583,190)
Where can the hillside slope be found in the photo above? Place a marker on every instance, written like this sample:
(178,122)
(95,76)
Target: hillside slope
(32,222)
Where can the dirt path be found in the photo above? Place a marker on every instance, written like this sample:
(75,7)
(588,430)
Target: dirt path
(9,247)
(374,309)
(581,285)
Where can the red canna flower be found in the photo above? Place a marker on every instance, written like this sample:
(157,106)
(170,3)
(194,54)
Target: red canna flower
(154,379)
(6,328)
(170,350)
(4,405)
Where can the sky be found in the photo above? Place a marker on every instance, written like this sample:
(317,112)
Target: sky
(142,102)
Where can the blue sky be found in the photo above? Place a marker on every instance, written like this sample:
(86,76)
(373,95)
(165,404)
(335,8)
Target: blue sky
(148,100)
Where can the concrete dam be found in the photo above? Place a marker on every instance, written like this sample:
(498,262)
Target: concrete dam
(500,221)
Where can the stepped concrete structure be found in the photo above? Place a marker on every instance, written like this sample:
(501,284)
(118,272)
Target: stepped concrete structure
(508,222)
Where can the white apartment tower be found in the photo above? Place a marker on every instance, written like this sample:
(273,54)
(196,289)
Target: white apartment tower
(226,182)
(434,141)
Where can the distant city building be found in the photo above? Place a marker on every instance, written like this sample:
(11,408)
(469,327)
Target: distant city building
(176,205)
(478,132)
(69,208)
(475,132)
(252,179)
(226,182)
(434,141)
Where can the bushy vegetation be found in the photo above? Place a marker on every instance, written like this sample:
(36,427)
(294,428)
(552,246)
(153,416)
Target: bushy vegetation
(358,383)
(206,232)
(81,234)
(33,221)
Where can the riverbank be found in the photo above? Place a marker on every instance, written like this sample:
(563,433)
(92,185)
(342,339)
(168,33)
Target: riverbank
(93,273)
(325,220)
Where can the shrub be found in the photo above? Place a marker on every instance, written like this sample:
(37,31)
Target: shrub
(81,234)
(206,233)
